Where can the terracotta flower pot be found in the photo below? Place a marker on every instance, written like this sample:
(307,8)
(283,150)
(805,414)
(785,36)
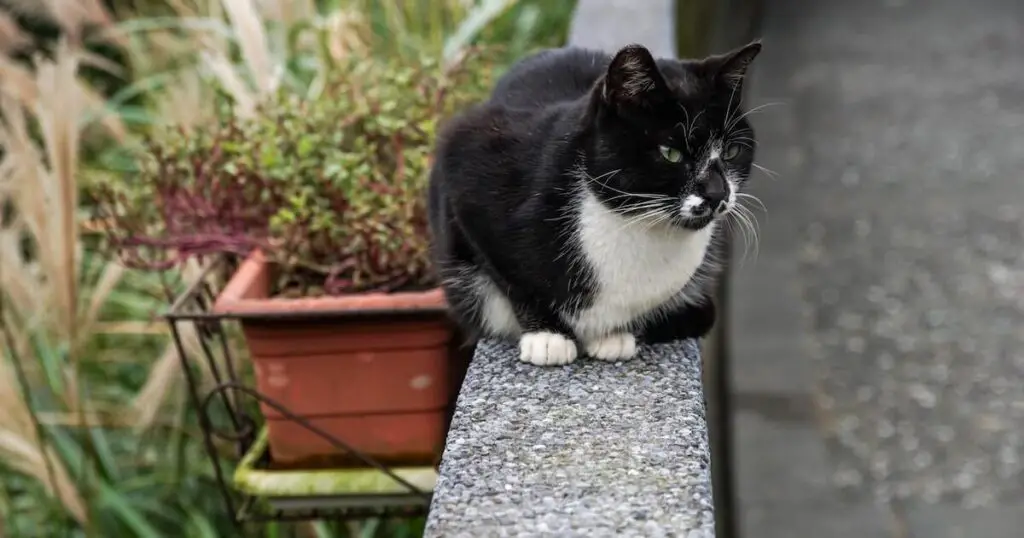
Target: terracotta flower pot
(372,369)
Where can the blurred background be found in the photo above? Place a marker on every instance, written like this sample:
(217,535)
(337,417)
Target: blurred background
(876,344)
(869,351)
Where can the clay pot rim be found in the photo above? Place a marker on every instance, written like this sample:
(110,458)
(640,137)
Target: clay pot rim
(236,299)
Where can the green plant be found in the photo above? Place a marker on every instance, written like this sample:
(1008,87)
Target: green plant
(333,189)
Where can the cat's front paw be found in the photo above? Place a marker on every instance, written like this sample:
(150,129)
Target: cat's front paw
(546,349)
(614,347)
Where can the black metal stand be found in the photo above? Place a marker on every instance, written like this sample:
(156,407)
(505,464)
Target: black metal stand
(234,423)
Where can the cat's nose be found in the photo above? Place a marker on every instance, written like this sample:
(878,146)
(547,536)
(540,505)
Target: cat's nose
(715,190)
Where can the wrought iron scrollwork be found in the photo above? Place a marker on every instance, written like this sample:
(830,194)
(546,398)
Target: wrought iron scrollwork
(240,427)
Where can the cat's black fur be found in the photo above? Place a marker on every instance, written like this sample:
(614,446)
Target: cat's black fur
(502,187)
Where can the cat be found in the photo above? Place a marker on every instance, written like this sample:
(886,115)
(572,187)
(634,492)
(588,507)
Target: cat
(580,206)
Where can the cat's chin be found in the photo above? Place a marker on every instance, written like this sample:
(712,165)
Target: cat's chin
(695,223)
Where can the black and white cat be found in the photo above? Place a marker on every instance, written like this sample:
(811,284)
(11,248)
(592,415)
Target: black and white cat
(580,205)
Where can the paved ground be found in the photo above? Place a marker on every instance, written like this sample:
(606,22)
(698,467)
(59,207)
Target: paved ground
(879,354)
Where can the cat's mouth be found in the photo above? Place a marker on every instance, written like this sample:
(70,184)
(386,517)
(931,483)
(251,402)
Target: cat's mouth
(696,212)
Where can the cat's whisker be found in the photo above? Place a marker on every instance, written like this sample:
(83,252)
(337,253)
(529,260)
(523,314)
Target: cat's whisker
(734,228)
(634,211)
(651,215)
(767,171)
(650,222)
(641,209)
(737,225)
(686,127)
(743,141)
(583,174)
(755,225)
(653,203)
(655,213)
(743,208)
(644,196)
(733,122)
(638,219)
(635,218)
(746,219)
(689,132)
(665,216)
(749,241)
(740,196)
(748,232)
(728,112)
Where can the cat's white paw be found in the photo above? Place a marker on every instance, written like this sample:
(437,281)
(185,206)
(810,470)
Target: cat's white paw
(614,347)
(546,349)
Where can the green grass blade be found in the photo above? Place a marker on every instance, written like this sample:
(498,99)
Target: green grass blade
(128,515)
(477,19)
(200,527)
(321,530)
(150,24)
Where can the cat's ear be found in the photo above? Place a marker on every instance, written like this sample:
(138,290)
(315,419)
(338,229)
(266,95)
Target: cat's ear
(633,80)
(730,69)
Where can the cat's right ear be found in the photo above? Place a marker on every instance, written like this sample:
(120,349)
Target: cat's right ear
(633,80)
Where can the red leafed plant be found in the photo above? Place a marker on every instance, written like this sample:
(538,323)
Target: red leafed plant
(333,189)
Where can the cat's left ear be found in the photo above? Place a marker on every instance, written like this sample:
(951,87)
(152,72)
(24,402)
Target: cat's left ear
(730,69)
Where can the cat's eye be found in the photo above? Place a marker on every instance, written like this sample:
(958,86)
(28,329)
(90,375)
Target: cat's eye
(671,155)
(731,152)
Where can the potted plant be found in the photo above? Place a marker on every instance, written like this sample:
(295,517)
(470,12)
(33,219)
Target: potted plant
(323,201)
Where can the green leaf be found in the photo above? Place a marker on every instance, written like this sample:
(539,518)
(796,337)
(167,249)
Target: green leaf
(307,146)
(270,156)
(200,527)
(132,518)
(104,453)
(370,528)
(321,530)
(51,359)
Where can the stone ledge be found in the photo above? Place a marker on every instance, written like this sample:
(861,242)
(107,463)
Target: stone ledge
(592,449)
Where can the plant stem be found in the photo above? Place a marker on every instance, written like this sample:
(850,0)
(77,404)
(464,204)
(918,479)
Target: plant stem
(26,393)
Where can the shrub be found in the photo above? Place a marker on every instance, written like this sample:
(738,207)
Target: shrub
(333,188)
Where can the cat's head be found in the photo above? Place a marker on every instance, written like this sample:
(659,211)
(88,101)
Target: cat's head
(672,143)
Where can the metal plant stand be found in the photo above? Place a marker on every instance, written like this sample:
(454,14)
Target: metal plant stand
(230,420)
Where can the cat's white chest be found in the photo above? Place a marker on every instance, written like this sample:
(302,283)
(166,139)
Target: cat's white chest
(637,268)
